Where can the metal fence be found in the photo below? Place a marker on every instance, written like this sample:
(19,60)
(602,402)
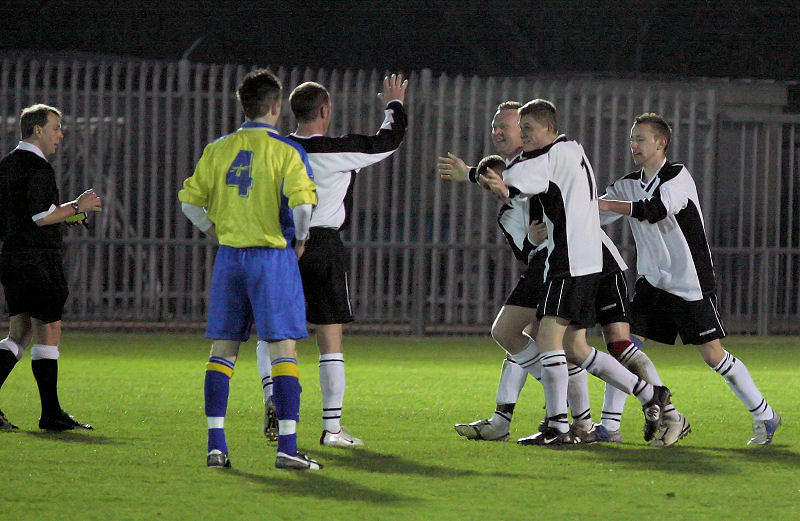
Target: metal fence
(426,255)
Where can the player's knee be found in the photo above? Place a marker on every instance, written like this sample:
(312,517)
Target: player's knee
(617,347)
(712,353)
(503,336)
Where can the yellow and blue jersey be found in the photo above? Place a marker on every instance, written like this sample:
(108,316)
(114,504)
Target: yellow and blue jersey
(248,180)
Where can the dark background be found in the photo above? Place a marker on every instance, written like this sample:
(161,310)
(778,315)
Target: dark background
(734,39)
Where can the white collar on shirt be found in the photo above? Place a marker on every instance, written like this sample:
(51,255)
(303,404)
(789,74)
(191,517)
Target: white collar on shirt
(24,145)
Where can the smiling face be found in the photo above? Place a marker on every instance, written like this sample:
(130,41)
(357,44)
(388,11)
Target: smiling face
(647,147)
(535,135)
(505,133)
(48,137)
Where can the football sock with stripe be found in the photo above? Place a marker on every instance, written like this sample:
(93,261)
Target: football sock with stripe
(44,365)
(635,360)
(741,383)
(217,387)
(286,395)
(512,379)
(578,394)
(606,367)
(264,365)
(613,406)
(554,380)
(332,384)
(631,356)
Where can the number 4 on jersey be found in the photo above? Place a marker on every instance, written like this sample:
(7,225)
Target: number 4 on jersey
(239,172)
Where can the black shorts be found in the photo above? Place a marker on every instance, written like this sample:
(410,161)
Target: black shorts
(661,316)
(529,287)
(612,304)
(570,298)
(34,283)
(323,268)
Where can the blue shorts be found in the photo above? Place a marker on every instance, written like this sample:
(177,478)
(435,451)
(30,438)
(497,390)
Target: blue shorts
(256,284)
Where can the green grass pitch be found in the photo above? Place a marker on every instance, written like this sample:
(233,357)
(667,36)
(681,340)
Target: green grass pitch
(146,458)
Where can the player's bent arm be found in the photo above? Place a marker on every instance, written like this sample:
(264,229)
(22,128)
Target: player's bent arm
(198,216)
(88,201)
(301,214)
(619,208)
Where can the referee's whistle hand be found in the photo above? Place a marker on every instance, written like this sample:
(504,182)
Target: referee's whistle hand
(89,201)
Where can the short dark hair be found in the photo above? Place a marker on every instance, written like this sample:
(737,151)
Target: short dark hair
(509,105)
(33,116)
(258,92)
(494,162)
(542,111)
(659,124)
(306,99)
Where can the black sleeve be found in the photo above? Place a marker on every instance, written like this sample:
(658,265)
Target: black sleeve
(42,191)
(472,175)
(651,210)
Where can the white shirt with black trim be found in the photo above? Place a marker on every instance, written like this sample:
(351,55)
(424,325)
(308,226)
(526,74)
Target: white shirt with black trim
(672,251)
(562,177)
(335,162)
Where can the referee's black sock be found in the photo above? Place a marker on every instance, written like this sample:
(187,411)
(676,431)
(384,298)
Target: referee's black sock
(46,373)
(7,363)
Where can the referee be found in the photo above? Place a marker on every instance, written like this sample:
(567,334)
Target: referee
(31,263)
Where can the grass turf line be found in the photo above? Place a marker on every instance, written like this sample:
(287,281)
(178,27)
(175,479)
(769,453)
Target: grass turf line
(146,459)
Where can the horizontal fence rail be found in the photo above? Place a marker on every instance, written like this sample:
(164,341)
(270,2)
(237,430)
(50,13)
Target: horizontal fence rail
(425,255)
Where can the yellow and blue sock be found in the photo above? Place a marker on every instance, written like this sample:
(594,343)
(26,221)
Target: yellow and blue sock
(286,395)
(217,386)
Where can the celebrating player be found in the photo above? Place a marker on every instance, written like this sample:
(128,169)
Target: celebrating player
(676,290)
(335,161)
(559,172)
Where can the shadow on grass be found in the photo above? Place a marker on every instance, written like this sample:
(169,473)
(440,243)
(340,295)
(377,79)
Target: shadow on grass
(694,459)
(775,453)
(676,459)
(89,438)
(364,459)
(317,484)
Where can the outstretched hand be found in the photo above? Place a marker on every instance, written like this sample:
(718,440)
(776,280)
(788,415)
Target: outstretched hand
(394,88)
(495,183)
(452,168)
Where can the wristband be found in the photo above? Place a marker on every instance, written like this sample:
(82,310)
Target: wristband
(74,206)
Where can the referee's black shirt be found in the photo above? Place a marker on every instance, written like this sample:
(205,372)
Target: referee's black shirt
(27,187)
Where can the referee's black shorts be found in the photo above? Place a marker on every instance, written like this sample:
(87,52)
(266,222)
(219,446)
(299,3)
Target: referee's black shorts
(323,268)
(34,283)
(526,293)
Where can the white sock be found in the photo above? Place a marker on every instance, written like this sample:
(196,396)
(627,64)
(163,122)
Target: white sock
(512,379)
(640,364)
(606,367)
(528,359)
(613,406)
(332,384)
(554,380)
(578,393)
(264,368)
(9,345)
(636,361)
(741,383)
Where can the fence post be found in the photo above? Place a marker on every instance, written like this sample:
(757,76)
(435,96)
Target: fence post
(420,293)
